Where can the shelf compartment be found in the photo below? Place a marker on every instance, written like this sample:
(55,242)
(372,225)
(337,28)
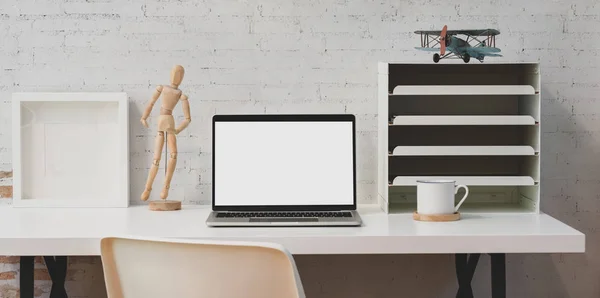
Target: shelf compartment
(461,150)
(468,180)
(481,199)
(463,135)
(490,166)
(464,120)
(402,208)
(463,90)
(473,105)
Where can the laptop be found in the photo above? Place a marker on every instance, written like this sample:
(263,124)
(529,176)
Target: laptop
(284,170)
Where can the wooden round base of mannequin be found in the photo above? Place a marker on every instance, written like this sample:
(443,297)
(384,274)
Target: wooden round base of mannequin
(436,217)
(165,205)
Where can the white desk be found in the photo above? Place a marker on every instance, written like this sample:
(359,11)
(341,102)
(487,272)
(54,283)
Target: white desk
(53,231)
(69,232)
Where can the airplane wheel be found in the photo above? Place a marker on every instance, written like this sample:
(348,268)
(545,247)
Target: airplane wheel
(466,58)
(436,58)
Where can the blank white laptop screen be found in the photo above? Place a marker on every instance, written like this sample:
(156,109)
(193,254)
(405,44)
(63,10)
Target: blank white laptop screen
(279,163)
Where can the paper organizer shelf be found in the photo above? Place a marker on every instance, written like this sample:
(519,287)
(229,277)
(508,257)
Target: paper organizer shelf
(70,150)
(476,124)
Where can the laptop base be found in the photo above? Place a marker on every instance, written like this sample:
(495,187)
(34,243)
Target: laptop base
(215,220)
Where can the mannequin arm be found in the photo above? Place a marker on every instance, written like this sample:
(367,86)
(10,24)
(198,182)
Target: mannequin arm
(185,105)
(150,105)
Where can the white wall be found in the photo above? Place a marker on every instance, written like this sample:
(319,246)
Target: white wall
(267,56)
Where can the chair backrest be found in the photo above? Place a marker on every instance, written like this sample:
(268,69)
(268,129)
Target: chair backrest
(209,269)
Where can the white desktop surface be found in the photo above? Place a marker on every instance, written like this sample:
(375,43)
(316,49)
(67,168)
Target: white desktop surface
(77,231)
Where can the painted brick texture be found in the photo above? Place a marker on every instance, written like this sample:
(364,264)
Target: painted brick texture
(259,56)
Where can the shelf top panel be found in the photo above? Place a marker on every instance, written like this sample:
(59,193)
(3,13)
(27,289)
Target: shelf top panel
(464,120)
(463,90)
(468,180)
(462,150)
(460,63)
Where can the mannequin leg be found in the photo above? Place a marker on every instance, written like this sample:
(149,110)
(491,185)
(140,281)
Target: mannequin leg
(172,143)
(158,146)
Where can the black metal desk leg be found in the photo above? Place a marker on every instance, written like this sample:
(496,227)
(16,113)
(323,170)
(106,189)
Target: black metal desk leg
(460,262)
(26,277)
(57,268)
(498,275)
(465,270)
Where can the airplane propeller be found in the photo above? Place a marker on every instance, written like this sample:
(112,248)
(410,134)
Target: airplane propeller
(443,37)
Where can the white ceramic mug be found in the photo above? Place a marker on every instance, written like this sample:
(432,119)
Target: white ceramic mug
(437,196)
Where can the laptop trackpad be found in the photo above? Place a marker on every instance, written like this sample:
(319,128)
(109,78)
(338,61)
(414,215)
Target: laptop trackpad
(283,219)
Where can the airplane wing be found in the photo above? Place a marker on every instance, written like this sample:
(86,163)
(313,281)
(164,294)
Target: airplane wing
(428,49)
(472,32)
(475,32)
(430,32)
(485,51)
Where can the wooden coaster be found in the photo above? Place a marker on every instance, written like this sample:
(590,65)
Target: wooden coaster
(165,205)
(436,217)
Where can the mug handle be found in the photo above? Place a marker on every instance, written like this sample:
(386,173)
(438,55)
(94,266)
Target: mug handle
(464,197)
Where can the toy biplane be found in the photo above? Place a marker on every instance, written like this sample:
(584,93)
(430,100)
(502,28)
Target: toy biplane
(478,44)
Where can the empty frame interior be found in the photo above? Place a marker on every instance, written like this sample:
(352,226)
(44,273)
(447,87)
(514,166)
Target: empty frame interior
(70,150)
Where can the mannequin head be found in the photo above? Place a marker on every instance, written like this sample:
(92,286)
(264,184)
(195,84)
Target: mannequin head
(177,75)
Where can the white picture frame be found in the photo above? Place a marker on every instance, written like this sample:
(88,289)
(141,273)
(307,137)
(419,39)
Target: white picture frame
(70,149)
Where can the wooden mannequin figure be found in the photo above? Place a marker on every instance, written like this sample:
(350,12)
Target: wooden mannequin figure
(170,95)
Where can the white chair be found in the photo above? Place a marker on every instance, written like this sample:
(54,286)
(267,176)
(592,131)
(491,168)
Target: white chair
(144,268)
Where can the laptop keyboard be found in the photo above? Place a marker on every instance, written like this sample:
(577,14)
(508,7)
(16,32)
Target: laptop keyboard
(283,214)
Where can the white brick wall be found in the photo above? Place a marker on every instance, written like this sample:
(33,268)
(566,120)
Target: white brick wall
(257,56)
